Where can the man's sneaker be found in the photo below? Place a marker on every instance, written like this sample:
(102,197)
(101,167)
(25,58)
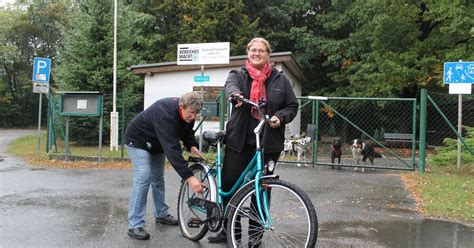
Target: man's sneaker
(167,220)
(138,233)
(221,237)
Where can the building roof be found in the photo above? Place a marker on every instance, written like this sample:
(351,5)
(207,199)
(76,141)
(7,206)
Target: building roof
(280,57)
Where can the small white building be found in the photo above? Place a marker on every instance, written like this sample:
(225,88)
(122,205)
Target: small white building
(171,80)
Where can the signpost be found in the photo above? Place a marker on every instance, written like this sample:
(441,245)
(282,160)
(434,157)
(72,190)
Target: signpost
(203,54)
(40,78)
(460,77)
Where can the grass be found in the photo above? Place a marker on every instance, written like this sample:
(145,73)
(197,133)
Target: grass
(26,147)
(444,191)
(443,194)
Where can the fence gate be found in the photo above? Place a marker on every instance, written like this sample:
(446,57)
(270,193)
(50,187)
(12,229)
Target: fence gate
(388,125)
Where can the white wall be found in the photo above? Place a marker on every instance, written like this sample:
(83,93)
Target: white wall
(293,128)
(174,84)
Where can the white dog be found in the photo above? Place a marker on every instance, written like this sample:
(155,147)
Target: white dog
(302,146)
(287,148)
(357,148)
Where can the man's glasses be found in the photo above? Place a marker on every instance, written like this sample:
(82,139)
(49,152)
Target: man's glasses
(255,50)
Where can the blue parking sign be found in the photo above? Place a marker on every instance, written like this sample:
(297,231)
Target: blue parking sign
(41,70)
(458,72)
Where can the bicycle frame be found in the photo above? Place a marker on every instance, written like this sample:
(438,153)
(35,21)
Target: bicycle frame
(253,171)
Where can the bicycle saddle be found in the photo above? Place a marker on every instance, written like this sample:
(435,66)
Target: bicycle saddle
(213,136)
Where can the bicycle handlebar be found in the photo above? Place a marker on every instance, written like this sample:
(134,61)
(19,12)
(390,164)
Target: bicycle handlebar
(195,159)
(258,105)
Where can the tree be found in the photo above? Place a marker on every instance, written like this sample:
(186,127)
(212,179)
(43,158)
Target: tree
(384,48)
(25,35)
(201,22)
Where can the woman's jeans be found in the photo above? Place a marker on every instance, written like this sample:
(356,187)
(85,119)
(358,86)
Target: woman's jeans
(149,169)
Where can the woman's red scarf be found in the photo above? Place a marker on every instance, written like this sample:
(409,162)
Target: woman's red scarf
(258,91)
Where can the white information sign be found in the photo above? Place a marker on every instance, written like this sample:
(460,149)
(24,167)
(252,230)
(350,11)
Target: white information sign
(460,89)
(203,53)
(81,104)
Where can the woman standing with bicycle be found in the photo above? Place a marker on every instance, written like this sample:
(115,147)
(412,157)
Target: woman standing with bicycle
(257,81)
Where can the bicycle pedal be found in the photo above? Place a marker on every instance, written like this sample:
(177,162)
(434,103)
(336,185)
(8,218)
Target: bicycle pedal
(194,223)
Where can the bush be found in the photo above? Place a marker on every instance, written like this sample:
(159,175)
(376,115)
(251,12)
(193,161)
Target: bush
(447,155)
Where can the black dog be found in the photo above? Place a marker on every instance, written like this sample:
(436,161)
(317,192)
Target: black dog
(336,152)
(368,152)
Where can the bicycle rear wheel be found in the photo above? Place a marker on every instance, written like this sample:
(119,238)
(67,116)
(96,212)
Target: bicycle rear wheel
(191,216)
(293,219)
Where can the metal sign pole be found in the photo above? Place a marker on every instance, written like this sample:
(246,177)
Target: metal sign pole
(202,97)
(66,141)
(39,124)
(458,163)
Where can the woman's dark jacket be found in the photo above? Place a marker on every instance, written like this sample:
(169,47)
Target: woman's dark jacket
(158,129)
(281,102)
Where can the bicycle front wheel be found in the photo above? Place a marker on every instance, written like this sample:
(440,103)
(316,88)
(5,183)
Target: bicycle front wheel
(292,221)
(190,215)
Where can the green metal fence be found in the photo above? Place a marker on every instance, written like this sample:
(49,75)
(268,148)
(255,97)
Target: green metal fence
(376,121)
(368,119)
(440,114)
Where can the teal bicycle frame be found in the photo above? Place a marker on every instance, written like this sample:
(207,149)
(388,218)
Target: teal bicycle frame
(252,171)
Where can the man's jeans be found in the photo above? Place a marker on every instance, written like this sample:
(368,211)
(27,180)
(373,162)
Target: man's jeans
(149,169)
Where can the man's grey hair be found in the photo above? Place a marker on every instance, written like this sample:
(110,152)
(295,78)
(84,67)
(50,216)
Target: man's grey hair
(191,100)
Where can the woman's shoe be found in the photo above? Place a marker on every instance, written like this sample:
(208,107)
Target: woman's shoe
(219,238)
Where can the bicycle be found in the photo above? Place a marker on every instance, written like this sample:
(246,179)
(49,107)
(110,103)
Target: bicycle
(264,211)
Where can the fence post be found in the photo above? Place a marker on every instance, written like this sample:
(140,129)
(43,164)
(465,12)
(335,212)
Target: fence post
(314,119)
(222,109)
(422,155)
(122,123)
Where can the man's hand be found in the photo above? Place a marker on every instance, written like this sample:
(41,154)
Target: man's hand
(195,151)
(195,185)
(274,122)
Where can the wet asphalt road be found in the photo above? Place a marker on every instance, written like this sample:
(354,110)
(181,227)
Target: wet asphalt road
(42,207)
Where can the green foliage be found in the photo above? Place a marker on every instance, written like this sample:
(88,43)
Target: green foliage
(203,21)
(332,129)
(384,48)
(447,155)
(24,35)
(345,48)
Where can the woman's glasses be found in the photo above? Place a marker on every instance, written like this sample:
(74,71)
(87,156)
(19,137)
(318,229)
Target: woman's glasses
(255,50)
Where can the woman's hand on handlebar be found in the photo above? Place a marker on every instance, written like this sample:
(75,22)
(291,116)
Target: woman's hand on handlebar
(237,103)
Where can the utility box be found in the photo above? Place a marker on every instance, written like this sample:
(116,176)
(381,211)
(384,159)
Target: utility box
(81,103)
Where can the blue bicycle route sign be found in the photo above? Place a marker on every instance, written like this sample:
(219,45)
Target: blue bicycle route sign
(458,72)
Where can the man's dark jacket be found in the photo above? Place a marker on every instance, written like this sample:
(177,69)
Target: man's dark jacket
(158,129)
(281,102)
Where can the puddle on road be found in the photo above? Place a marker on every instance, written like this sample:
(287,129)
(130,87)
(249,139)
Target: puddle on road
(425,233)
